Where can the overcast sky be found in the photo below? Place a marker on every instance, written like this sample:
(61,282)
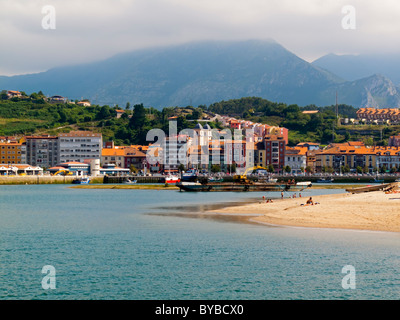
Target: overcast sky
(90,30)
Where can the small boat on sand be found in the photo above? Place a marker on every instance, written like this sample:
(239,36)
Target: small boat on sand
(369,188)
(81,181)
(129,181)
(325,180)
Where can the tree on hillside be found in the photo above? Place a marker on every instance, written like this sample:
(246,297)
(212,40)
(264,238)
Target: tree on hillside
(138,120)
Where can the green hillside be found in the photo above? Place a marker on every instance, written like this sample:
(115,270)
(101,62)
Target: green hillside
(32,114)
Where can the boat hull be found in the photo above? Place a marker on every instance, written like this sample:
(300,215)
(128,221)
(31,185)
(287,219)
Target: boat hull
(80,181)
(369,188)
(172,181)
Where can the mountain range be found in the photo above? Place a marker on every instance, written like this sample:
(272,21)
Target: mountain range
(202,73)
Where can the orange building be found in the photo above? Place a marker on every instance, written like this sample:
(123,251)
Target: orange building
(11,152)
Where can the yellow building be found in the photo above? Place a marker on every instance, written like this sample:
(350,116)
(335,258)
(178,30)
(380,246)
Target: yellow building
(260,156)
(347,154)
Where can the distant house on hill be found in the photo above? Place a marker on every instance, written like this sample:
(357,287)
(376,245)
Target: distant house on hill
(119,113)
(57,99)
(13,94)
(84,103)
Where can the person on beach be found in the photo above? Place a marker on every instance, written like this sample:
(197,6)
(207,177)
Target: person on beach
(310,201)
(282,195)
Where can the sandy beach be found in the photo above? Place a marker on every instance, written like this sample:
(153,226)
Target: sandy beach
(374,211)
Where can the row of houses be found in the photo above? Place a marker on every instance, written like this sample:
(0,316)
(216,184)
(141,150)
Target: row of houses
(207,147)
(375,115)
(56,99)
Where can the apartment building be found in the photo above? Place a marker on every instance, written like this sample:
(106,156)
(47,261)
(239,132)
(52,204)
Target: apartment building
(79,145)
(11,152)
(387,157)
(350,154)
(41,150)
(275,147)
(175,152)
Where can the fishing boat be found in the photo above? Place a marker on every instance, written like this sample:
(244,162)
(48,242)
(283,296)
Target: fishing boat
(81,181)
(172,179)
(325,180)
(190,175)
(239,187)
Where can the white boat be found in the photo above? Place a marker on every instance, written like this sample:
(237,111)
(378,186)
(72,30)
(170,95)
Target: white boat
(172,179)
(81,181)
(128,181)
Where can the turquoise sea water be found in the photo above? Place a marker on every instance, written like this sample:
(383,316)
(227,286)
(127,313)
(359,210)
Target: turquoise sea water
(129,244)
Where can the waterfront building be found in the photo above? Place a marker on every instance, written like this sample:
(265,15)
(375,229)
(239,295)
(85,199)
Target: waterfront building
(112,170)
(41,150)
(175,150)
(275,146)
(125,156)
(20,169)
(135,156)
(387,157)
(75,167)
(351,155)
(10,151)
(114,155)
(260,157)
(296,159)
(79,145)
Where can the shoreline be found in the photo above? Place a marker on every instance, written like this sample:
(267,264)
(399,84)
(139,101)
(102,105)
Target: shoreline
(372,211)
(173,187)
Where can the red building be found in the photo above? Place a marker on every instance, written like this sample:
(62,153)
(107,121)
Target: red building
(275,146)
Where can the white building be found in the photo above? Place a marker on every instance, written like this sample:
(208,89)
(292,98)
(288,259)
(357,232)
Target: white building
(175,152)
(296,159)
(79,145)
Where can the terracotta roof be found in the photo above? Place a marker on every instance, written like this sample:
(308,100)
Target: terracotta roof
(80,134)
(112,152)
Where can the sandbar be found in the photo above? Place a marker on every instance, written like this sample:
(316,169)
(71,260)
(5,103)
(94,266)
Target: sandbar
(373,211)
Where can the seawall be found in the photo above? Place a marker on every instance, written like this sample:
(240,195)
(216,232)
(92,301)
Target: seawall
(43,180)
